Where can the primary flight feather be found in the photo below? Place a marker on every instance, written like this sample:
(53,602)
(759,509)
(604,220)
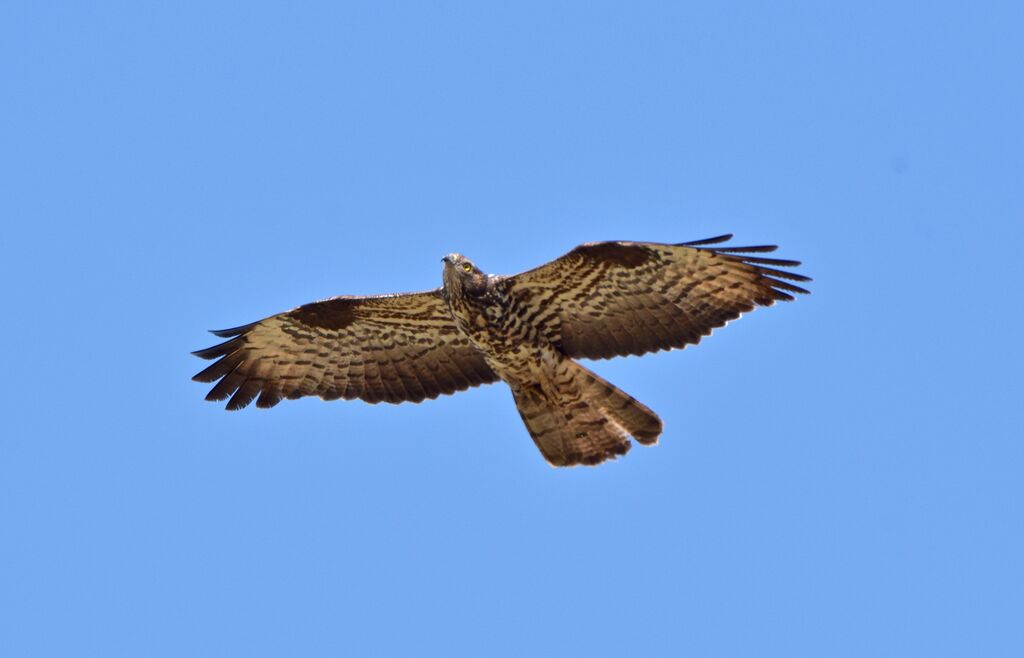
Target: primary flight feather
(598,301)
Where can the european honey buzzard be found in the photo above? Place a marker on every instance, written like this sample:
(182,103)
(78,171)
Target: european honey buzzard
(598,301)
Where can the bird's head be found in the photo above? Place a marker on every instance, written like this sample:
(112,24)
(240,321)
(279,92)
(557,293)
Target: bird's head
(461,274)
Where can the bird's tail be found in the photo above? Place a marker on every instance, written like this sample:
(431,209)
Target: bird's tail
(576,417)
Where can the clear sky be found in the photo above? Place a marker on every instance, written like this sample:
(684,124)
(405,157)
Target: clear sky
(840,476)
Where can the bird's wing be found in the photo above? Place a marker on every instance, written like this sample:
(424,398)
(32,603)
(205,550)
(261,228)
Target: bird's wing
(608,299)
(390,348)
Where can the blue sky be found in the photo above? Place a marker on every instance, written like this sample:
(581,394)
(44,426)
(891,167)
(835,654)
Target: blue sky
(838,477)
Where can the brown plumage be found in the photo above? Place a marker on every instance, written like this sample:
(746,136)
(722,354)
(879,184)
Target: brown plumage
(598,301)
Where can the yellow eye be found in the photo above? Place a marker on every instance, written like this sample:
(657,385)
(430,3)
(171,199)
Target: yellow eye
(466,267)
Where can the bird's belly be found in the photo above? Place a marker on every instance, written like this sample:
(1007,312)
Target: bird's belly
(510,354)
(521,362)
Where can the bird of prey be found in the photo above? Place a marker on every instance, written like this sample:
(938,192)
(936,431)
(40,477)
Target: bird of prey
(600,300)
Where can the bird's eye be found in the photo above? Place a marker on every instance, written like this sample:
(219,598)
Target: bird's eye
(466,267)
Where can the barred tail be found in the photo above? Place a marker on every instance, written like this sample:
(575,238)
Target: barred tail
(576,417)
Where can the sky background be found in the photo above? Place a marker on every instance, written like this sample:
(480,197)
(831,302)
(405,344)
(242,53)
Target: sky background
(840,476)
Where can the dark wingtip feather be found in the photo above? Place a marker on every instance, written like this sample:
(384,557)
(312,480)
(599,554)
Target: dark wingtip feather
(220,349)
(757,249)
(715,240)
(756,262)
(233,331)
(217,369)
(244,395)
(778,262)
(792,276)
(226,386)
(268,398)
(216,395)
(775,283)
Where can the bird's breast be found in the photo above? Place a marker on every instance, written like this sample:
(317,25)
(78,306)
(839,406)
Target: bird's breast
(486,323)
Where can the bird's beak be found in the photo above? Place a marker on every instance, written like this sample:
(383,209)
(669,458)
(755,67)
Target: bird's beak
(446,260)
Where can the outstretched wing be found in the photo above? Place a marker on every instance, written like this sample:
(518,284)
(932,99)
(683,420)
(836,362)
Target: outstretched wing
(608,299)
(390,348)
